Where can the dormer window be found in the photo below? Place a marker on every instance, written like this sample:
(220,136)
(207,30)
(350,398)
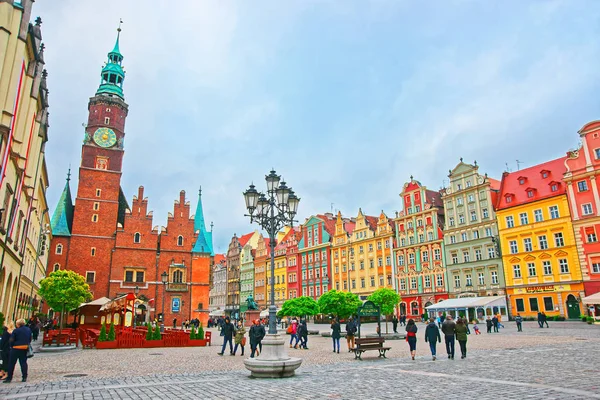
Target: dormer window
(530,193)
(522,180)
(508,198)
(554,186)
(545,173)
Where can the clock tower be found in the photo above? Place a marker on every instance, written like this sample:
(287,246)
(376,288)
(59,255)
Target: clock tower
(100,205)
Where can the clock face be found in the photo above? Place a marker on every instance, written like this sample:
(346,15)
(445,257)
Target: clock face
(105,137)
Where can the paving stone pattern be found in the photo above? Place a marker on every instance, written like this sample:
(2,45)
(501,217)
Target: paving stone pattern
(562,362)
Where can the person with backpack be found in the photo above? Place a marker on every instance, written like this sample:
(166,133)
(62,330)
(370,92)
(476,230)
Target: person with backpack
(227,332)
(303,334)
(449,329)
(293,331)
(350,332)
(336,334)
(461,336)
(432,335)
(411,337)
(519,321)
(255,337)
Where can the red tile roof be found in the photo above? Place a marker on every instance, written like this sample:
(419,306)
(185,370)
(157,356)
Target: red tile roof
(349,226)
(329,223)
(244,239)
(372,222)
(516,185)
(219,258)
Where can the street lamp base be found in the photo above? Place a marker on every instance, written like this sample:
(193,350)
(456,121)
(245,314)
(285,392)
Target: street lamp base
(273,361)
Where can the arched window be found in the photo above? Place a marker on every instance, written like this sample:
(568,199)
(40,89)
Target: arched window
(136,237)
(177,276)
(180,240)
(59,248)
(56,267)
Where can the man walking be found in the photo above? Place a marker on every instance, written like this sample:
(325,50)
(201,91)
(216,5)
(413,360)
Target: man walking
(227,333)
(20,340)
(432,335)
(350,331)
(488,324)
(449,329)
(395,323)
(519,321)
(495,323)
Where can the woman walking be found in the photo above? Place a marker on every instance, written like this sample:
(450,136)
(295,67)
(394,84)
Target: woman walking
(411,337)
(19,340)
(240,339)
(5,348)
(461,336)
(432,335)
(336,334)
(293,329)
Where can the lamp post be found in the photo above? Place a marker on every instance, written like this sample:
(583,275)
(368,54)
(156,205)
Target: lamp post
(272,210)
(136,291)
(164,277)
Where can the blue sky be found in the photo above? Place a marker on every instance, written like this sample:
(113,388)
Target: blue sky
(346,99)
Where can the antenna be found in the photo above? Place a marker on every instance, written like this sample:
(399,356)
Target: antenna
(507,169)
(332,207)
(519,165)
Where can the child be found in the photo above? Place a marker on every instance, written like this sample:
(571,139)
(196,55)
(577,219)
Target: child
(476,328)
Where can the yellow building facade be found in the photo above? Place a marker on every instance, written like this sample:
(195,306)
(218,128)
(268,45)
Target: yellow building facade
(280,269)
(539,253)
(362,254)
(24,218)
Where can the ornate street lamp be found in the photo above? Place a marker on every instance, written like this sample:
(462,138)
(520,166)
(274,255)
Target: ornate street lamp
(136,291)
(272,210)
(164,277)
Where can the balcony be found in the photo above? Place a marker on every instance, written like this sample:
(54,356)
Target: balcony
(177,287)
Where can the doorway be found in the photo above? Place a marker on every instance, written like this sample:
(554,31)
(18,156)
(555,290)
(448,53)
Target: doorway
(573,311)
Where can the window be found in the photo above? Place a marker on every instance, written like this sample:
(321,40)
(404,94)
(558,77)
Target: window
(437,255)
(430,236)
(522,181)
(136,237)
(95,218)
(508,198)
(548,304)
(537,215)
(473,216)
(527,244)
(469,280)
(93,251)
(360,249)
(510,223)
(456,281)
(403,242)
(371,264)
(597,153)
(464,236)
(582,186)
(478,254)
(591,237)
(530,193)
(520,305)
(471,198)
(439,280)
(543,242)
(469,184)
(411,258)
(362,265)
(586,209)
(400,260)
(380,262)
(531,269)
(533,304)
(494,277)
(451,221)
(554,212)
(378,246)
(488,232)
(547,267)
(485,213)
(98,192)
(56,267)
(596,268)
(517,271)
(461,219)
(421,238)
(128,276)
(96,206)
(452,239)
(454,258)
(427,281)
(524,218)
(388,260)
(491,252)
(459,201)
(370,247)
(90,277)
(411,240)
(106,120)
(466,256)
(180,240)
(402,284)
(554,187)
(563,265)
(481,278)
(459,186)
(362,283)
(413,283)
(425,256)
(475,234)
(514,249)
(139,276)
(59,249)
(559,241)
(419,222)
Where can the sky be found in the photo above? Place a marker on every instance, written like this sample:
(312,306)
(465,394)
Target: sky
(345,99)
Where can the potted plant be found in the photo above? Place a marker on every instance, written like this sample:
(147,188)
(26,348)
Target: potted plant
(197,338)
(153,338)
(590,320)
(107,341)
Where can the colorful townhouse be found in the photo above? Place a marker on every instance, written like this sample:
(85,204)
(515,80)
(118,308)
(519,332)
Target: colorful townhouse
(234,253)
(280,268)
(582,167)
(473,264)
(340,250)
(419,253)
(293,263)
(262,259)
(539,253)
(246,276)
(314,249)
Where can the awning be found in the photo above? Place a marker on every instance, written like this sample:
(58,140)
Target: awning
(264,313)
(216,313)
(468,302)
(592,299)
(98,302)
(119,302)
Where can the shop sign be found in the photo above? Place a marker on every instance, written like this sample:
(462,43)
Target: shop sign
(542,289)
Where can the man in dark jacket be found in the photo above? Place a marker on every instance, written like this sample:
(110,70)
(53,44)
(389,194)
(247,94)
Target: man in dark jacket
(449,329)
(19,341)
(227,333)
(495,323)
(255,336)
(395,323)
(432,335)
(303,334)
(350,332)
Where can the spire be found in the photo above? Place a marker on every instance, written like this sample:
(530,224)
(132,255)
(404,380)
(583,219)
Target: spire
(112,72)
(62,220)
(204,242)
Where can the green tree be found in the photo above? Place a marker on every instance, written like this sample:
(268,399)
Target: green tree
(64,290)
(1,320)
(193,333)
(338,303)
(102,337)
(157,335)
(200,334)
(299,307)
(386,299)
(149,331)
(111,333)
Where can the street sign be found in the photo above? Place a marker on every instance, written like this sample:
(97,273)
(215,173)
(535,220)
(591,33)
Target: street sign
(369,309)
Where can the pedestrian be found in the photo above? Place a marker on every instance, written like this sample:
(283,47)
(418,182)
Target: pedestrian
(336,334)
(495,323)
(432,335)
(262,333)
(395,323)
(489,324)
(461,336)
(402,320)
(19,341)
(411,337)
(519,321)
(5,348)
(174,323)
(303,334)
(293,330)
(350,332)
(440,320)
(476,327)
(449,329)
(544,320)
(255,337)
(227,333)
(499,316)
(240,339)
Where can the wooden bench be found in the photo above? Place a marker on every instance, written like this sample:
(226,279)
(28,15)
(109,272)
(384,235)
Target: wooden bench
(366,344)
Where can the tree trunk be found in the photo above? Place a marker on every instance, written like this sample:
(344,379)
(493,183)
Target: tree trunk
(60,324)
(386,324)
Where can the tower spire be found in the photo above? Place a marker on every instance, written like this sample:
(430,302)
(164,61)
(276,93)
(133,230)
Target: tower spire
(112,72)
(62,219)
(204,242)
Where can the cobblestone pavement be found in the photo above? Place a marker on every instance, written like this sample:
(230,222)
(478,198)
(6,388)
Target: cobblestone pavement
(562,362)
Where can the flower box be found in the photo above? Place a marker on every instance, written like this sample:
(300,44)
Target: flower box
(154,343)
(106,345)
(198,342)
